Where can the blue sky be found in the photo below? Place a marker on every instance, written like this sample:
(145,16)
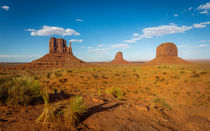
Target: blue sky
(100,28)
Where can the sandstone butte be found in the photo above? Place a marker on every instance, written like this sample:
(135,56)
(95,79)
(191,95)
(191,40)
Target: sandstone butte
(167,53)
(60,55)
(119,59)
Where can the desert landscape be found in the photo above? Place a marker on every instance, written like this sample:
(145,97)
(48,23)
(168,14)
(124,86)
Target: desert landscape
(60,91)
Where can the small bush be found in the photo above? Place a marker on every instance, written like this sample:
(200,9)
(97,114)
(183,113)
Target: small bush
(64,113)
(48,75)
(20,91)
(58,74)
(195,74)
(162,102)
(115,91)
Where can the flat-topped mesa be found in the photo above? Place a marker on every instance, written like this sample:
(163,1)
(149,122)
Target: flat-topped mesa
(167,53)
(166,49)
(119,59)
(58,46)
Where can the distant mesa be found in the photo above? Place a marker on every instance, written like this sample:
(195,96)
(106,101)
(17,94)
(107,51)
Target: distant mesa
(60,55)
(167,53)
(119,59)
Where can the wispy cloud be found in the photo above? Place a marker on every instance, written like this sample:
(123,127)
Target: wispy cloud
(203,45)
(122,46)
(100,45)
(52,30)
(163,30)
(190,8)
(175,15)
(5,7)
(79,20)
(201,25)
(204,8)
(98,50)
(75,40)
(17,56)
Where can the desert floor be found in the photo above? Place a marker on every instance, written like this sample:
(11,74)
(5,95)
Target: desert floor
(149,97)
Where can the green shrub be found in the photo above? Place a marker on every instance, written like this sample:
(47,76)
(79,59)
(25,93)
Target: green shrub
(115,91)
(48,75)
(64,113)
(20,91)
(162,102)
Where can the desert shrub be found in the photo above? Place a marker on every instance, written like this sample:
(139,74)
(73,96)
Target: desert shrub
(115,91)
(20,91)
(48,75)
(104,77)
(95,76)
(157,78)
(162,102)
(195,74)
(58,74)
(203,72)
(74,107)
(64,113)
(69,71)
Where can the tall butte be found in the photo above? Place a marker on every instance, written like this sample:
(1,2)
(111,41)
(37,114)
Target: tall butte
(119,59)
(60,55)
(167,53)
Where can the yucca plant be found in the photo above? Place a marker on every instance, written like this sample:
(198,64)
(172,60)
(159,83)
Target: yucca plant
(63,113)
(48,116)
(115,91)
(74,107)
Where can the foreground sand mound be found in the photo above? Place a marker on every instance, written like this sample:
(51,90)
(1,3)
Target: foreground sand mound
(167,53)
(60,55)
(119,59)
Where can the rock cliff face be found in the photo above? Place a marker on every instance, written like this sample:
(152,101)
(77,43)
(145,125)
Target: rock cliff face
(167,53)
(58,45)
(166,49)
(119,59)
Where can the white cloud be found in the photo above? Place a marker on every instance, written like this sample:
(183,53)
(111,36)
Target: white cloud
(204,12)
(52,30)
(199,25)
(17,56)
(123,46)
(133,40)
(135,34)
(89,47)
(190,8)
(5,7)
(175,15)
(203,45)
(79,20)
(30,30)
(100,45)
(164,30)
(204,8)
(75,40)
(98,50)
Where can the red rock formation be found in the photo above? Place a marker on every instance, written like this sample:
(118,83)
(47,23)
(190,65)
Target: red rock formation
(60,55)
(119,59)
(166,49)
(166,53)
